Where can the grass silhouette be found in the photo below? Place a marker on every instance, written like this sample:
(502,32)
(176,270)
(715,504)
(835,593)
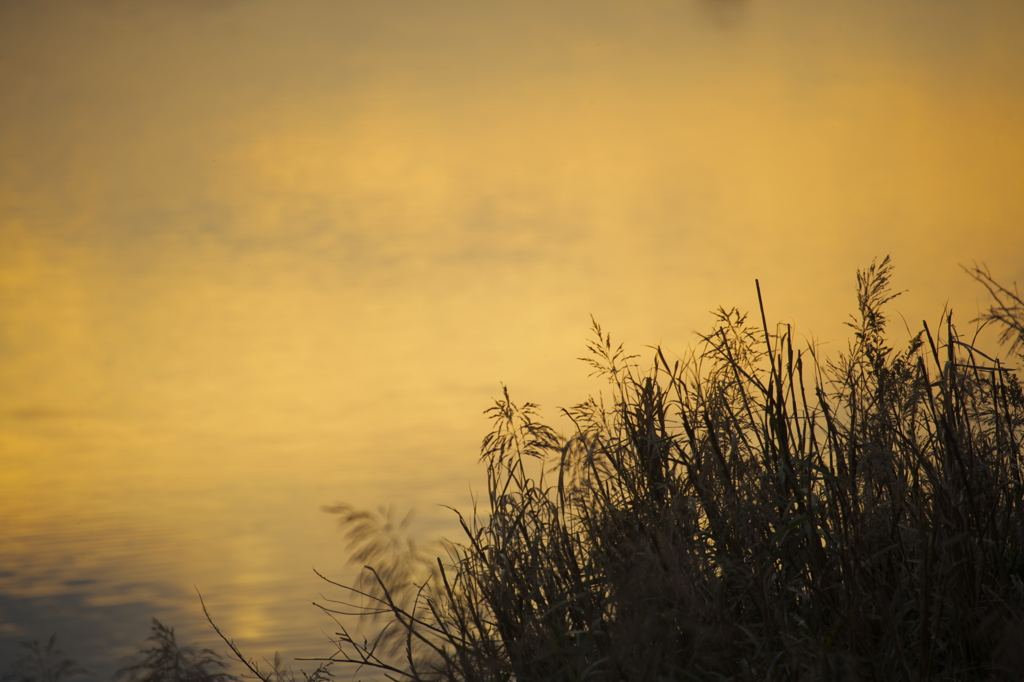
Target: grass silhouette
(165,660)
(42,663)
(751,512)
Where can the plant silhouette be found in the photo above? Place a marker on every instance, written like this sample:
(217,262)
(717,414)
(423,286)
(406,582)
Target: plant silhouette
(749,511)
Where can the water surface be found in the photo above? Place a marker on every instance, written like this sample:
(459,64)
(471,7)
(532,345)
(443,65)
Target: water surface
(258,258)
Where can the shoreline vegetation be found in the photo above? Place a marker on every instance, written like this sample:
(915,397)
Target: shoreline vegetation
(752,511)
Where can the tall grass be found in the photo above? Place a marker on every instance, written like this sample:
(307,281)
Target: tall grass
(753,511)
(42,663)
(161,658)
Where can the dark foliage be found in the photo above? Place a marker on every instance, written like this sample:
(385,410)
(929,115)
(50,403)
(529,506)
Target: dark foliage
(164,660)
(39,663)
(750,512)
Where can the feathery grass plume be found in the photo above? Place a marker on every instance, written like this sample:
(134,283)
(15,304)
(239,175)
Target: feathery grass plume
(41,663)
(1007,309)
(164,660)
(394,572)
(751,511)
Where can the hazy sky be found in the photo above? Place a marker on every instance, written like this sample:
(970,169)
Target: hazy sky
(236,230)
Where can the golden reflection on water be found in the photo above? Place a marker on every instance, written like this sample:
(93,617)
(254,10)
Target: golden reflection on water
(255,259)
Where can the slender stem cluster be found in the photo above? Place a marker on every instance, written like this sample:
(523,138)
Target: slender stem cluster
(750,512)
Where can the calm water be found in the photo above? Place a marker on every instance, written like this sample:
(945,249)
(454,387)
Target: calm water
(256,258)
